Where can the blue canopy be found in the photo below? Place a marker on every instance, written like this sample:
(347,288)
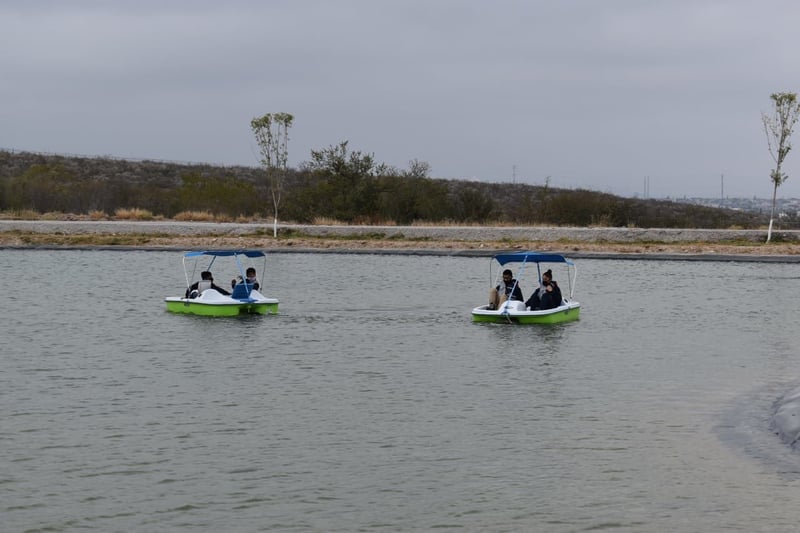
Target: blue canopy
(531,257)
(225,253)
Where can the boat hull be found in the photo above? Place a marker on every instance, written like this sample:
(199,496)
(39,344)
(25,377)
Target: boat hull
(564,313)
(212,303)
(190,307)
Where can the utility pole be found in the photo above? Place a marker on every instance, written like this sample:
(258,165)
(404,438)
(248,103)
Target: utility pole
(513,173)
(721,189)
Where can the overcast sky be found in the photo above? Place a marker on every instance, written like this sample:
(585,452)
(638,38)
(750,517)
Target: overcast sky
(606,95)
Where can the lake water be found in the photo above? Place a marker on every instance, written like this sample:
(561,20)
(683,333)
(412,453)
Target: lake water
(373,403)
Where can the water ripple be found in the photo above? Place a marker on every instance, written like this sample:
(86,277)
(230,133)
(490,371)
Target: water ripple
(370,402)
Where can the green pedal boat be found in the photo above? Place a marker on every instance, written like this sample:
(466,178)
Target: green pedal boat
(514,309)
(241,296)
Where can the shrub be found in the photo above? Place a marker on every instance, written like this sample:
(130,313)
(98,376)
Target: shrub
(133,214)
(195,216)
(25,214)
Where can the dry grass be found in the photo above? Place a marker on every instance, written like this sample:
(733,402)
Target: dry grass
(21,214)
(19,238)
(80,236)
(262,238)
(133,214)
(207,216)
(325,221)
(53,215)
(195,216)
(377,242)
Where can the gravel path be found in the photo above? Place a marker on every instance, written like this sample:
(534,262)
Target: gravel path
(611,243)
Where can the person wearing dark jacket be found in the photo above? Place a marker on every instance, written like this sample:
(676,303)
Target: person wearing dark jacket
(193,291)
(547,296)
(552,296)
(250,279)
(508,289)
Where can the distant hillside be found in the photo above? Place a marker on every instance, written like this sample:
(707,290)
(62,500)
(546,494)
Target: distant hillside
(352,194)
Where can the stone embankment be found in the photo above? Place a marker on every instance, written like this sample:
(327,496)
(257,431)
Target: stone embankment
(552,234)
(612,243)
(439,233)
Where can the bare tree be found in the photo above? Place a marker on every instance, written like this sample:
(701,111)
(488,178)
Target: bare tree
(272,135)
(779,127)
(417,169)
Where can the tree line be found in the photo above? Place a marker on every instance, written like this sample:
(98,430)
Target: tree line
(337,183)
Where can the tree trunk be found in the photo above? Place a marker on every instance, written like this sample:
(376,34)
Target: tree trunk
(772,214)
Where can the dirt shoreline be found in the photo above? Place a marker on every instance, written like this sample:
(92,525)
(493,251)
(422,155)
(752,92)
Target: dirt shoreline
(688,244)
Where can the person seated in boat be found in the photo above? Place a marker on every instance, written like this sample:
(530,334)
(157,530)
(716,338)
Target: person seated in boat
(196,288)
(547,295)
(508,289)
(250,279)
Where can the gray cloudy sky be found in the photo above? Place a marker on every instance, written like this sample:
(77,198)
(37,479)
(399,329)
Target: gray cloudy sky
(597,94)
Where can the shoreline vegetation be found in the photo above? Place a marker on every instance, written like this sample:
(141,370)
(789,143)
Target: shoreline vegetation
(344,201)
(687,244)
(337,184)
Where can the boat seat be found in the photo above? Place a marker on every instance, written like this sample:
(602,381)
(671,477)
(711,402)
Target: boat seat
(203,285)
(512,305)
(241,291)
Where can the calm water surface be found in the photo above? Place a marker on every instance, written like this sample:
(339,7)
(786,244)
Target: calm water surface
(373,403)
